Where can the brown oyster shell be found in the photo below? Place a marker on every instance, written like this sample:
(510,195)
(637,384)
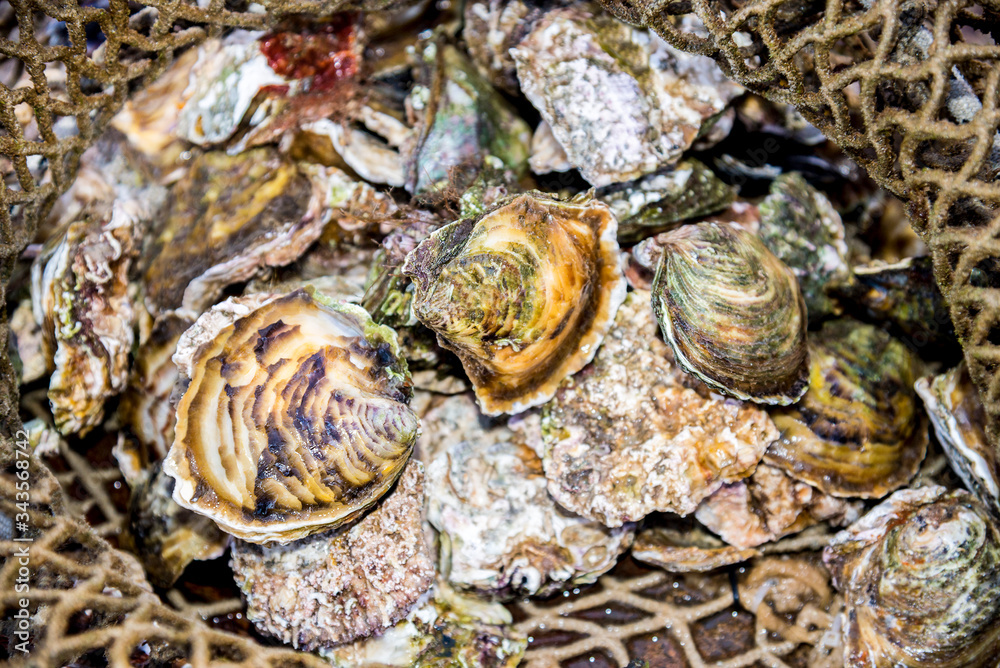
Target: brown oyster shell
(338,586)
(686,549)
(631,434)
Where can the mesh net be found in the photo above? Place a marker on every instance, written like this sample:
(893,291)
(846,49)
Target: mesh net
(910,89)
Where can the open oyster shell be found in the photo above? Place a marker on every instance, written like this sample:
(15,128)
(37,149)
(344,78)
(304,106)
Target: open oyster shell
(859,430)
(920,574)
(293,417)
(956,412)
(79,291)
(522,294)
(337,586)
(631,434)
(732,313)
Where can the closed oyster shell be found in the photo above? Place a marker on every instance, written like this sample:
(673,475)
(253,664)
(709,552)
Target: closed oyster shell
(631,434)
(859,430)
(501,534)
(618,99)
(522,294)
(492,28)
(293,417)
(338,586)
(956,412)
(79,292)
(920,575)
(732,313)
(686,549)
(769,505)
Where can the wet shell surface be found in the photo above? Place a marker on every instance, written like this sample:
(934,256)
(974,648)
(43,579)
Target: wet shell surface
(956,412)
(631,434)
(523,294)
(687,549)
(345,584)
(920,574)
(294,417)
(732,313)
(502,535)
(859,431)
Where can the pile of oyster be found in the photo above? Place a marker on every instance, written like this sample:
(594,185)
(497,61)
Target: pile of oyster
(413,312)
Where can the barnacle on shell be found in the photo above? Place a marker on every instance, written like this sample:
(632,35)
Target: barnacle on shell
(733,313)
(920,575)
(522,294)
(859,430)
(294,418)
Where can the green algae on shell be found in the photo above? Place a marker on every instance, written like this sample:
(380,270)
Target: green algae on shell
(732,313)
(522,294)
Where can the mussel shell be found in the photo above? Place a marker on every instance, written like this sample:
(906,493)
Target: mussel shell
(733,313)
(859,431)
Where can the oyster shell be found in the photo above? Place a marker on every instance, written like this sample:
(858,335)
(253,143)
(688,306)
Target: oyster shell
(626,436)
(164,536)
(661,201)
(522,294)
(920,574)
(956,412)
(339,586)
(859,430)
(451,420)
(800,226)
(686,549)
(293,417)
(769,505)
(547,154)
(27,344)
(732,313)
(79,292)
(492,28)
(501,534)
(618,99)
(228,217)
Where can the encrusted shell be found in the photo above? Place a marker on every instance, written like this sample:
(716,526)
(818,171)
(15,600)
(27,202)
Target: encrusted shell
(338,586)
(920,575)
(956,412)
(294,418)
(732,313)
(522,294)
(686,549)
(631,434)
(859,430)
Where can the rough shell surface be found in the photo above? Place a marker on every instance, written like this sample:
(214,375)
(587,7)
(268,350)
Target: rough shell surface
(492,28)
(523,294)
(920,574)
(769,505)
(799,225)
(28,343)
(79,291)
(293,417)
(619,100)
(631,434)
(450,420)
(501,534)
(956,412)
(859,431)
(338,586)
(732,313)
(685,550)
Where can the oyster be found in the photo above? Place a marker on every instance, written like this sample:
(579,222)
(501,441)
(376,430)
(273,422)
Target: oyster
(660,202)
(228,217)
(957,414)
(799,225)
(293,417)
(27,344)
(859,430)
(732,313)
(79,292)
(492,28)
(920,574)
(631,434)
(462,122)
(547,154)
(522,294)
(687,549)
(451,420)
(618,99)
(164,536)
(502,535)
(339,586)
(769,505)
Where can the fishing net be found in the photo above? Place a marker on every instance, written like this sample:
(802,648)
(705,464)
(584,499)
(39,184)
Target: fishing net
(910,89)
